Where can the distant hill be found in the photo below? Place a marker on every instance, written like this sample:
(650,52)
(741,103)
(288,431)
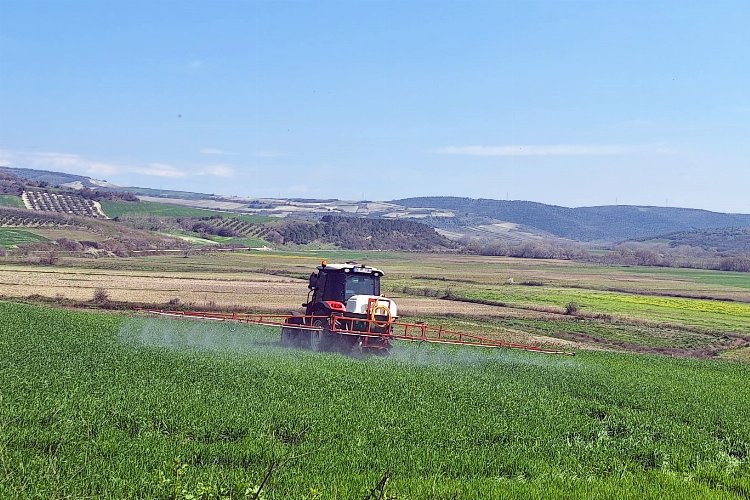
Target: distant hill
(724,240)
(604,223)
(456,218)
(365,234)
(53,178)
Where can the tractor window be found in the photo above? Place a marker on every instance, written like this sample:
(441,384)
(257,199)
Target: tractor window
(340,286)
(362,284)
(332,288)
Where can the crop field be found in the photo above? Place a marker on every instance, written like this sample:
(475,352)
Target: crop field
(708,277)
(54,233)
(109,405)
(13,237)
(191,238)
(244,241)
(195,239)
(640,310)
(720,315)
(120,208)
(153,287)
(151,208)
(11,201)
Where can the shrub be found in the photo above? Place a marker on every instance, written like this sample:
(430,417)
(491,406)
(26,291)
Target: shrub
(69,245)
(101,296)
(49,259)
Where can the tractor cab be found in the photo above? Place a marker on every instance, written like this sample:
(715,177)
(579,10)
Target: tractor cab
(344,309)
(334,284)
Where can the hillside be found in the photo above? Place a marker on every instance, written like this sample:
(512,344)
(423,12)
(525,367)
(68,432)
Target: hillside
(365,234)
(53,178)
(604,223)
(64,232)
(480,220)
(725,240)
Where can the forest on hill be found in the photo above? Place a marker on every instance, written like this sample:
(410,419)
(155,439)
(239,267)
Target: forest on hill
(727,240)
(365,234)
(603,223)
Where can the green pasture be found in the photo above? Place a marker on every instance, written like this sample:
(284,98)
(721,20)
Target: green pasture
(714,315)
(724,278)
(102,405)
(7,200)
(621,335)
(249,242)
(155,209)
(14,237)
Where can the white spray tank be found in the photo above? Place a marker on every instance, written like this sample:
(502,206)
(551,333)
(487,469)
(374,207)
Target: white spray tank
(359,304)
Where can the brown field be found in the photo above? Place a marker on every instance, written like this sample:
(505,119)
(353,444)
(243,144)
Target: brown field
(250,291)
(253,291)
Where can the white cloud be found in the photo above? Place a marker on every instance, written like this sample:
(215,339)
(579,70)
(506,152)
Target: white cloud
(99,168)
(68,162)
(77,164)
(195,64)
(213,151)
(220,170)
(536,150)
(160,170)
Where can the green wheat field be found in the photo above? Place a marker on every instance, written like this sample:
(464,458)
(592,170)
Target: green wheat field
(98,404)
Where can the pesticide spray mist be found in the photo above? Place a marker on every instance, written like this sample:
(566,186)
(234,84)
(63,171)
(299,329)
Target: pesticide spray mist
(432,354)
(180,334)
(218,336)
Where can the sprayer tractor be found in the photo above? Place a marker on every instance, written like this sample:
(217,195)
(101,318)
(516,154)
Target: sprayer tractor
(343,298)
(346,312)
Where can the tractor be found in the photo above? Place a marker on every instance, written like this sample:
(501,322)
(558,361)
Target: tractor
(344,311)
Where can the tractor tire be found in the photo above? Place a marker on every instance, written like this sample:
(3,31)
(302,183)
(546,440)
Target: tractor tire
(321,340)
(289,337)
(346,344)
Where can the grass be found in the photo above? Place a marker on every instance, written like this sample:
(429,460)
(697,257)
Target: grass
(191,238)
(7,200)
(709,314)
(71,234)
(253,219)
(742,354)
(150,208)
(735,279)
(14,237)
(120,208)
(640,338)
(248,242)
(198,240)
(99,405)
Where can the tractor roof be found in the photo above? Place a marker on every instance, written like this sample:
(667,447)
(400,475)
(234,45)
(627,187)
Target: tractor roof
(351,267)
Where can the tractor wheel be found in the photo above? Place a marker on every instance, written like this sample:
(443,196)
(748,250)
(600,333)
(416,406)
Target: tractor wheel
(289,337)
(346,344)
(320,340)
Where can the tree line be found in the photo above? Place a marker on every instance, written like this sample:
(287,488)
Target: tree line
(365,234)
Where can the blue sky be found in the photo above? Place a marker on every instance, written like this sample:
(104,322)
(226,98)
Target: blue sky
(572,103)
